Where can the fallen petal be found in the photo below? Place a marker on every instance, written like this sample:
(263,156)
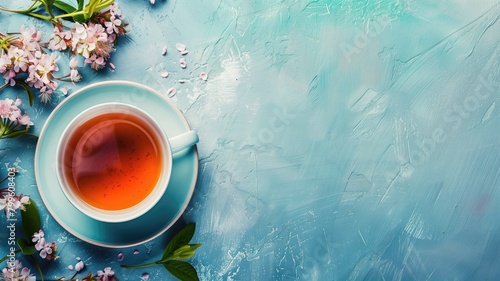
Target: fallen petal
(180,47)
(64,90)
(182,81)
(136,252)
(164,51)
(204,76)
(145,276)
(185,52)
(70,267)
(120,256)
(171,92)
(182,63)
(79,266)
(164,73)
(112,66)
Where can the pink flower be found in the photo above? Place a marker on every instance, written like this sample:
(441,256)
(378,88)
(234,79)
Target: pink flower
(46,65)
(30,38)
(6,107)
(5,62)
(96,62)
(25,120)
(73,63)
(41,74)
(104,49)
(115,11)
(9,109)
(74,75)
(14,115)
(46,249)
(9,77)
(47,91)
(86,37)
(37,236)
(107,274)
(111,26)
(17,273)
(19,58)
(60,40)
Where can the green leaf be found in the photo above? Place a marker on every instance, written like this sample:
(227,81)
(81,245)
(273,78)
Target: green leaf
(81,3)
(180,239)
(195,246)
(64,6)
(26,248)
(15,134)
(49,3)
(27,88)
(182,270)
(79,18)
(185,252)
(31,219)
(18,134)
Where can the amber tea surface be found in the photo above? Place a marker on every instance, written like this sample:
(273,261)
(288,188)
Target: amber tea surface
(113,161)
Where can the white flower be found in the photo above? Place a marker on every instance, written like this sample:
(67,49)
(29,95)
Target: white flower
(13,203)
(30,38)
(5,63)
(37,236)
(74,75)
(25,120)
(17,273)
(60,40)
(115,11)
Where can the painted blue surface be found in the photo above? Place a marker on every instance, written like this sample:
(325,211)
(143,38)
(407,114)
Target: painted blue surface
(338,141)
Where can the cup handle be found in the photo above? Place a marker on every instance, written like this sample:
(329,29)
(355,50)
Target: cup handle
(183,141)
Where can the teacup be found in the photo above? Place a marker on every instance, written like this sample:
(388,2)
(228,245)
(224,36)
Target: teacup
(114,161)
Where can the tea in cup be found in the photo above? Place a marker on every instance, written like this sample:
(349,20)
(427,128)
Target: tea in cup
(115,161)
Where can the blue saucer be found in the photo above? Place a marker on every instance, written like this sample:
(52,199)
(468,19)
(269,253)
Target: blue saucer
(159,218)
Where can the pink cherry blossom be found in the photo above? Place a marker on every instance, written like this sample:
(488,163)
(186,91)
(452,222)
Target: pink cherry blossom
(46,249)
(96,62)
(17,272)
(107,274)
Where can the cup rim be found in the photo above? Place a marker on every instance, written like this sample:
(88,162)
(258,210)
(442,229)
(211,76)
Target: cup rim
(130,213)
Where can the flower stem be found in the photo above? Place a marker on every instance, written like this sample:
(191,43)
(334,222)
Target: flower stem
(142,265)
(35,15)
(6,257)
(38,267)
(70,15)
(28,12)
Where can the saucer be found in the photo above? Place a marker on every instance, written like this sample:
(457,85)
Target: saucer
(154,222)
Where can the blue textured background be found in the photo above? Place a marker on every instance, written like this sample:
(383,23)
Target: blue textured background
(339,141)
